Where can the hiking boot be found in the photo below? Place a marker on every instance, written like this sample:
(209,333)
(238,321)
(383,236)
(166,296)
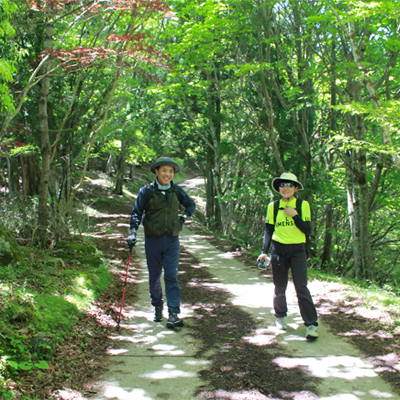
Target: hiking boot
(158,313)
(174,320)
(281,322)
(312,332)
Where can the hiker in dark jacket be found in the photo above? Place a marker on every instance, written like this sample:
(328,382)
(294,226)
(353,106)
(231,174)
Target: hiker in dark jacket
(158,204)
(288,232)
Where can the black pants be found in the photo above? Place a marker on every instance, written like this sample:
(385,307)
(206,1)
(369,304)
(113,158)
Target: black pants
(293,256)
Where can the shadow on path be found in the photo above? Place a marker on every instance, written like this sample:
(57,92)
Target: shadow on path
(230,347)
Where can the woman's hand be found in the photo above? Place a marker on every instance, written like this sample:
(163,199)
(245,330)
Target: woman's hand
(263,257)
(290,211)
(263,261)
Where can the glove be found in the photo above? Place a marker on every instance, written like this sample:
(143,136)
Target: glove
(182,219)
(131,240)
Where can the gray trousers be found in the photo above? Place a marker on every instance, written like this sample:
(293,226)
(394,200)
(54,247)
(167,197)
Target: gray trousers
(294,257)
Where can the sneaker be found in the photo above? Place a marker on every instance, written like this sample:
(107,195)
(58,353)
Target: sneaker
(312,332)
(281,322)
(174,320)
(158,313)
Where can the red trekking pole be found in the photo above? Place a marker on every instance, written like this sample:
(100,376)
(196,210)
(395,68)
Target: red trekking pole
(123,293)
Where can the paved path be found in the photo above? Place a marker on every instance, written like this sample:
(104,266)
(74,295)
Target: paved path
(157,363)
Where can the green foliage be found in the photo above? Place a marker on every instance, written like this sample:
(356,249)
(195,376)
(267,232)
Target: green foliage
(25,366)
(229,63)
(54,314)
(7,68)
(83,252)
(322,127)
(8,248)
(91,57)
(42,299)
(20,217)
(128,123)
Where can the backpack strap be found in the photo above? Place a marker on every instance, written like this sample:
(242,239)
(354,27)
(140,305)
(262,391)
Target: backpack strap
(299,203)
(149,194)
(276,208)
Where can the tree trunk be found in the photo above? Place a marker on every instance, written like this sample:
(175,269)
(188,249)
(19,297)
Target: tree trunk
(30,174)
(267,102)
(327,249)
(231,187)
(45,144)
(210,193)
(13,177)
(120,167)
(216,213)
(65,182)
(354,215)
(110,163)
(361,162)
(215,129)
(132,171)
(369,269)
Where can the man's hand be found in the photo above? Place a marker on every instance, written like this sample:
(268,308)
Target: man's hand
(131,240)
(182,219)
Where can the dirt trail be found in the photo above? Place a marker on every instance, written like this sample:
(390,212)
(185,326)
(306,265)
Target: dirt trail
(229,347)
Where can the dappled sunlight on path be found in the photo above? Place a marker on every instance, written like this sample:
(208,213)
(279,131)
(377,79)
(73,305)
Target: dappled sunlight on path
(150,362)
(345,373)
(343,367)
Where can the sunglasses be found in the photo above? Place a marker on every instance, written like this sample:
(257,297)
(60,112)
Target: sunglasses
(286,184)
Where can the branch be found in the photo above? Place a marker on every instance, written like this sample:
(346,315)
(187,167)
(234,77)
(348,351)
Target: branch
(375,184)
(10,117)
(199,131)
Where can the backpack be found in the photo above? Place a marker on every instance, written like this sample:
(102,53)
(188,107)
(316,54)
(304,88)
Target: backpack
(299,203)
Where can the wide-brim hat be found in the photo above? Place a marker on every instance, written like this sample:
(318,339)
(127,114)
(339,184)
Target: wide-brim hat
(286,177)
(165,161)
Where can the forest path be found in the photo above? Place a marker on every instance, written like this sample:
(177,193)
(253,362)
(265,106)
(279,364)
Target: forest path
(150,362)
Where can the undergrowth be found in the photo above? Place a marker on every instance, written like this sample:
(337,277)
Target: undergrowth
(42,296)
(383,298)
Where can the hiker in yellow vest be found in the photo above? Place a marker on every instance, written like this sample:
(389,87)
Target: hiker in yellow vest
(287,232)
